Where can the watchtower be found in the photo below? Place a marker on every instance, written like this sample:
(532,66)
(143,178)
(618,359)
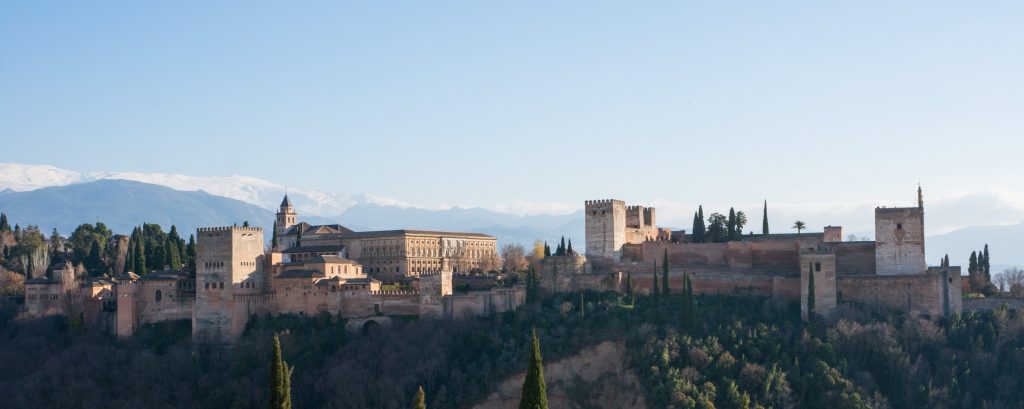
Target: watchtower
(605,228)
(899,239)
(229,262)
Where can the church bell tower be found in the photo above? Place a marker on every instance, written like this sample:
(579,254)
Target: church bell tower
(286,216)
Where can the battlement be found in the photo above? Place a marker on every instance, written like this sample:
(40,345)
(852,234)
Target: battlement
(393,292)
(229,228)
(602,202)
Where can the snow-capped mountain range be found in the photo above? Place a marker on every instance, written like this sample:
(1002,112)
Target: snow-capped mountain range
(259,192)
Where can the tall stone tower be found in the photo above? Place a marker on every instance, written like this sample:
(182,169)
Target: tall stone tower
(286,216)
(899,239)
(605,228)
(229,266)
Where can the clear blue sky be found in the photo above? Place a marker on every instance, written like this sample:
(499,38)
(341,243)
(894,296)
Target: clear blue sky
(480,103)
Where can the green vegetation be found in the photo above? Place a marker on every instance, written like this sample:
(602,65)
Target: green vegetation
(420,400)
(689,351)
(280,380)
(534,395)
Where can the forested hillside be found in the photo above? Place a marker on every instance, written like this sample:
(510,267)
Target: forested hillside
(730,352)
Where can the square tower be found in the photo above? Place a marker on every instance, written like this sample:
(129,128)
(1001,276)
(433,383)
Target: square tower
(899,241)
(229,262)
(821,264)
(605,228)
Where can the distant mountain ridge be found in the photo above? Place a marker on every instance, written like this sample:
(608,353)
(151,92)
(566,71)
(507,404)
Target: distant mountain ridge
(123,204)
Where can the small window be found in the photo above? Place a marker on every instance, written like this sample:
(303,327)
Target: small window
(817,266)
(159,295)
(899,226)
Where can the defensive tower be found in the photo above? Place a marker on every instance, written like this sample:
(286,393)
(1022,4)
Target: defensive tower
(229,262)
(899,239)
(605,228)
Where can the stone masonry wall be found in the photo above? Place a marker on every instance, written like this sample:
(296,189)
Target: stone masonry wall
(899,241)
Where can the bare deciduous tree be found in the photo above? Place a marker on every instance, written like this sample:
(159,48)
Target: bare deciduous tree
(1011,280)
(514,257)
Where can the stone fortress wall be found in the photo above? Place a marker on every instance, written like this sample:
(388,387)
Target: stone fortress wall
(890,271)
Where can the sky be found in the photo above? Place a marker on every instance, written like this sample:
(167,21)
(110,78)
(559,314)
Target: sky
(530,106)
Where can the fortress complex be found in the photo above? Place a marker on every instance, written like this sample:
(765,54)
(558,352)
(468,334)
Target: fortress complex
(307,270)
(390,254)
(624,241)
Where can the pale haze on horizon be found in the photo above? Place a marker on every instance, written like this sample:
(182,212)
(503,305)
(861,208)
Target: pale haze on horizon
(532,105)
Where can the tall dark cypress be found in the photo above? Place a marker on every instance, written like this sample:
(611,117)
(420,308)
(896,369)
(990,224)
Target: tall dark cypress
(139,261)
(730,226)
(561,247)
(655,296)
(987,265)
(535,394)
(5,226)
(665,290)
(569,251)
(810,290)
(190,253)
(764,219)
(972,264)
(280,380)
(702,229)
(629,287)
(273,237)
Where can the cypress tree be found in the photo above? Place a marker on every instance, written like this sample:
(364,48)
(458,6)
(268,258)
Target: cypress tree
(693,232)
(420,401)
(665,290)
(547,250)
(273,238)
(730,226)
(94,262)
(691,306)
(298,236)
(810,290)
(987,266)
(5,226)
(139,261)
(190,253)
(280,380)
(972,264)
(245,223)
(568,250)
(583,305)
(629,286)
(173,258)
(686,299)
(764,219)
(655,296)
(535,394)
(561,247)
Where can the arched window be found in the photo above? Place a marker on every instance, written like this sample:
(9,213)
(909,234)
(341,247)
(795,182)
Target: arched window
(159,295)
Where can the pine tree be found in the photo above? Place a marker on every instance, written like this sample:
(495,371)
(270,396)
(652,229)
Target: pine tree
(629,286)
(810,289)
(665,290)
(420,401)
(764,219)
(280,380)
(534,390)
(5,226)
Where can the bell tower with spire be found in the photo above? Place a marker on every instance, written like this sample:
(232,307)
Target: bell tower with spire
(286,216)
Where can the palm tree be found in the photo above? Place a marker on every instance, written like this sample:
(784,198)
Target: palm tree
(799,226)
